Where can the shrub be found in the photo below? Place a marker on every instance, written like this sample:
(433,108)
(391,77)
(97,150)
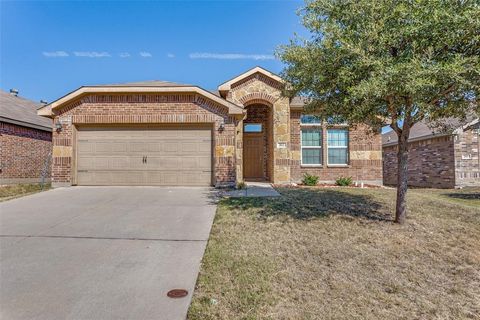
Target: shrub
(309,180)
(241,185)
(344,181)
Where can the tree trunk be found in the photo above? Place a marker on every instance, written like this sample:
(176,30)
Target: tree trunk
(402,176)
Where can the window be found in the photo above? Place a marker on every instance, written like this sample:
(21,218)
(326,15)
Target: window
(309,119)
(336,120)
(337,143)
(252,127)
(311,146)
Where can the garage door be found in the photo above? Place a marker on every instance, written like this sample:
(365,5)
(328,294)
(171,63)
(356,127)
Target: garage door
(144,156)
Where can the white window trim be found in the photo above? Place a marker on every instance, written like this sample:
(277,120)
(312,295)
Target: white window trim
(318,125)
(339,147)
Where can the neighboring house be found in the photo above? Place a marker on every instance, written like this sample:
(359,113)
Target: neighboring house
(164,133)
(25,141)
(436,159)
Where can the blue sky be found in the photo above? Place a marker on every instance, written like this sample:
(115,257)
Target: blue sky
(50,48)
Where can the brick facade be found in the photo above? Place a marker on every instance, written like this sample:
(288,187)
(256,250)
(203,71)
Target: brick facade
(23,154)
(258,93)
(365,155)
(438,162)
(431,163)
(144,109)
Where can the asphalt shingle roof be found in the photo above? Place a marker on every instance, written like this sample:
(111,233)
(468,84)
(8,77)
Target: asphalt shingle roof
(22,111)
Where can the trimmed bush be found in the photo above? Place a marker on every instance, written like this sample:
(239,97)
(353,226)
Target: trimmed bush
(344,181)
(241,185)
(310,180)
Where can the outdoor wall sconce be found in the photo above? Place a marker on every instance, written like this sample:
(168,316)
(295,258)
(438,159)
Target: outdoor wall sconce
(58,126)
(221,127)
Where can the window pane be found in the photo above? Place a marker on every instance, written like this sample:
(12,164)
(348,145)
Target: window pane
(253,127)
(337,137)
(337,156)
(309,119)
(311,156)
(312,137)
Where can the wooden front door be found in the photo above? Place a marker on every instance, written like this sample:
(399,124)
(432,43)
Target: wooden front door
(253,160)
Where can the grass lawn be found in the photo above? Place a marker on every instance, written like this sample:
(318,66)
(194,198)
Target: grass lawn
(20,190)
(335,254)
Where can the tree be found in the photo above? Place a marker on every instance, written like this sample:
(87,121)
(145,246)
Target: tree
(387,62)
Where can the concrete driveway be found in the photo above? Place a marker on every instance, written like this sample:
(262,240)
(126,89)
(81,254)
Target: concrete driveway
(102,252)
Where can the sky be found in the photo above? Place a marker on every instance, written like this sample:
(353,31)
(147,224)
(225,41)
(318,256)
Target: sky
(49,48)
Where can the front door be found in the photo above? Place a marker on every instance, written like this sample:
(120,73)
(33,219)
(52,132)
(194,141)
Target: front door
(253,161)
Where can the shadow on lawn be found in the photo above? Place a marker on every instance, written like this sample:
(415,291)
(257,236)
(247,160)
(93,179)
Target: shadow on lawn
(304,204)
(464,196)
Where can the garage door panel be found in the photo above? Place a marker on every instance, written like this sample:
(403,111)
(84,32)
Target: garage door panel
(115,157)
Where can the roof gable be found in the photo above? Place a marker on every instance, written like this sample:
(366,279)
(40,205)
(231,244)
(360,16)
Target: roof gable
(150,87)
(228,84)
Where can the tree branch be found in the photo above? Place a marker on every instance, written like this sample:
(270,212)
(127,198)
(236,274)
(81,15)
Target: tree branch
(442,94)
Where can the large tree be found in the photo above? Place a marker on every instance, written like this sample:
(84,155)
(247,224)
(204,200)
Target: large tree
(387,62)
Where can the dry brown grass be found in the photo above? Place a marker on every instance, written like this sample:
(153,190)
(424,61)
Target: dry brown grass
(20,190)
(335,254)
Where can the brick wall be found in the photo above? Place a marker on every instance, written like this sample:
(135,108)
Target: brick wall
(467,157)
(431,163)
(23,152)
(146,109)
(365,155)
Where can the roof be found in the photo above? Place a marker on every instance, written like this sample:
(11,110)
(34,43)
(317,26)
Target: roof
(422,130)
(148,83)
(23,112)
(155,86)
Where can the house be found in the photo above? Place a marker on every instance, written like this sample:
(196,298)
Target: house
(437,158)
(25,141)
(164,133)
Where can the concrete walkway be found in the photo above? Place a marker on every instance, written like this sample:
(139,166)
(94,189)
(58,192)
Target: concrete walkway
(102,253)
(253,189)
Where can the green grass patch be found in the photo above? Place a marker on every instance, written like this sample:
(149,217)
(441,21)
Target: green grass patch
(20,190)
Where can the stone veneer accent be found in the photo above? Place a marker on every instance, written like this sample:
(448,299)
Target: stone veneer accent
(260,90)
(24,153)
(438,162)
(144,109)
(467,157)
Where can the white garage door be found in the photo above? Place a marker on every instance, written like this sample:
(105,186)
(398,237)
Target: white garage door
(144,156)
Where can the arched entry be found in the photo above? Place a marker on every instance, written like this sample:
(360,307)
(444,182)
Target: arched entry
(258,142)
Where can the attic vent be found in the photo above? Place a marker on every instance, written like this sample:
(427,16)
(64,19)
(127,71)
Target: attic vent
(14,92)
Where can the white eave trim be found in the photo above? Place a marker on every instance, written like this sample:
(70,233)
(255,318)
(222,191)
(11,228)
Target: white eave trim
(47,111)
(227,85)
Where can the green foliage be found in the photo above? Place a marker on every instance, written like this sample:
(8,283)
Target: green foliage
(387,61)
(344,181)
(310,180)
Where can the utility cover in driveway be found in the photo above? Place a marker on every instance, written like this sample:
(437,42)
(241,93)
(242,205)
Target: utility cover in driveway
(146,156)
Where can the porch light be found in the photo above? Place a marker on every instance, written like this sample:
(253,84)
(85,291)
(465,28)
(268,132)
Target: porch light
(221,127)
(58,126)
